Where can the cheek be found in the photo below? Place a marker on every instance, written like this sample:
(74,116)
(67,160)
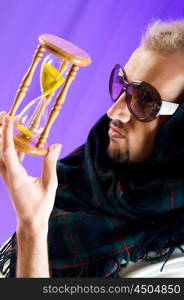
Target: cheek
(142,136)
(141,130)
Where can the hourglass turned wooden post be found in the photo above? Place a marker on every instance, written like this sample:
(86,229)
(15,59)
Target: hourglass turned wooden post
(58,104)
(27,80)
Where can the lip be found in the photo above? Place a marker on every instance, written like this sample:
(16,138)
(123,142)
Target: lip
(114,133)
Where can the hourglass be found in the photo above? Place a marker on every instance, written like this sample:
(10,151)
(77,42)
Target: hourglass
(58,69)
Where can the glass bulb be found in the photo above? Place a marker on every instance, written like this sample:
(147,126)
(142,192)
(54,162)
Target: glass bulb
(53,73)
(33,118)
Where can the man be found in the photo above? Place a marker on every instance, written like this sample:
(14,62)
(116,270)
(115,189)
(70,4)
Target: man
(120,195)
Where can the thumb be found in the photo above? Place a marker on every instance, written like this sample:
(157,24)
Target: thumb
(49,175)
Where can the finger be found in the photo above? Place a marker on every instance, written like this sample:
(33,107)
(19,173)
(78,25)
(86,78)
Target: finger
(3,171)
(9,153)
(16,120)
(49,175)
(2,116)
(2,168)
(21,156)
(2,165)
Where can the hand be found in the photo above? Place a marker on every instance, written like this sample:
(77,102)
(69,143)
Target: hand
(32,198)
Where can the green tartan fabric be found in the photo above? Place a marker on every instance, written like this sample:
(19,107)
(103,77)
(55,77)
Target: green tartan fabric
(107,214)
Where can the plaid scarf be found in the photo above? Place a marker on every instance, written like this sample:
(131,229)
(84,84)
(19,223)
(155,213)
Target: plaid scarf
(107,214)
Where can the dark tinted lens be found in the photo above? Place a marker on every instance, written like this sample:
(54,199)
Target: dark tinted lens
(116,83)
(143,101)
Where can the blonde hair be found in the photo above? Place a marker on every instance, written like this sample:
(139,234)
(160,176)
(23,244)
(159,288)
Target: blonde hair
(164,38)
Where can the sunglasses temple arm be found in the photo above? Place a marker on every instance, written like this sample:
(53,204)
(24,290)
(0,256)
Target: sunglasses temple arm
(167,108)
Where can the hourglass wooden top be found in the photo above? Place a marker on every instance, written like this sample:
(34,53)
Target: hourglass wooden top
(65,49)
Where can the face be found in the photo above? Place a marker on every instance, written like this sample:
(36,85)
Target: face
(131,140)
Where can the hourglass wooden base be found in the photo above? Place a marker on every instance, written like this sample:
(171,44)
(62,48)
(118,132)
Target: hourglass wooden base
(70,55)
(24,145)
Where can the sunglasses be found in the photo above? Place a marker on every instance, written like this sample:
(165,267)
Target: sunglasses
(142,99)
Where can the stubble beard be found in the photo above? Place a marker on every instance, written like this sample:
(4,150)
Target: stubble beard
(117,154)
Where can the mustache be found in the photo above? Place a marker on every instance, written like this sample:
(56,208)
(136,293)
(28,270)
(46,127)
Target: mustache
(118,124)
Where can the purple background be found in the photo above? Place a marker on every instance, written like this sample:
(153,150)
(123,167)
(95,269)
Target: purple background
(109,30)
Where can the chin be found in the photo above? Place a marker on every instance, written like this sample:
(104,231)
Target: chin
(117,154)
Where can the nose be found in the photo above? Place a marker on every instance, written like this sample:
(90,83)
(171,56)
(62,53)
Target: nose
(119,110)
